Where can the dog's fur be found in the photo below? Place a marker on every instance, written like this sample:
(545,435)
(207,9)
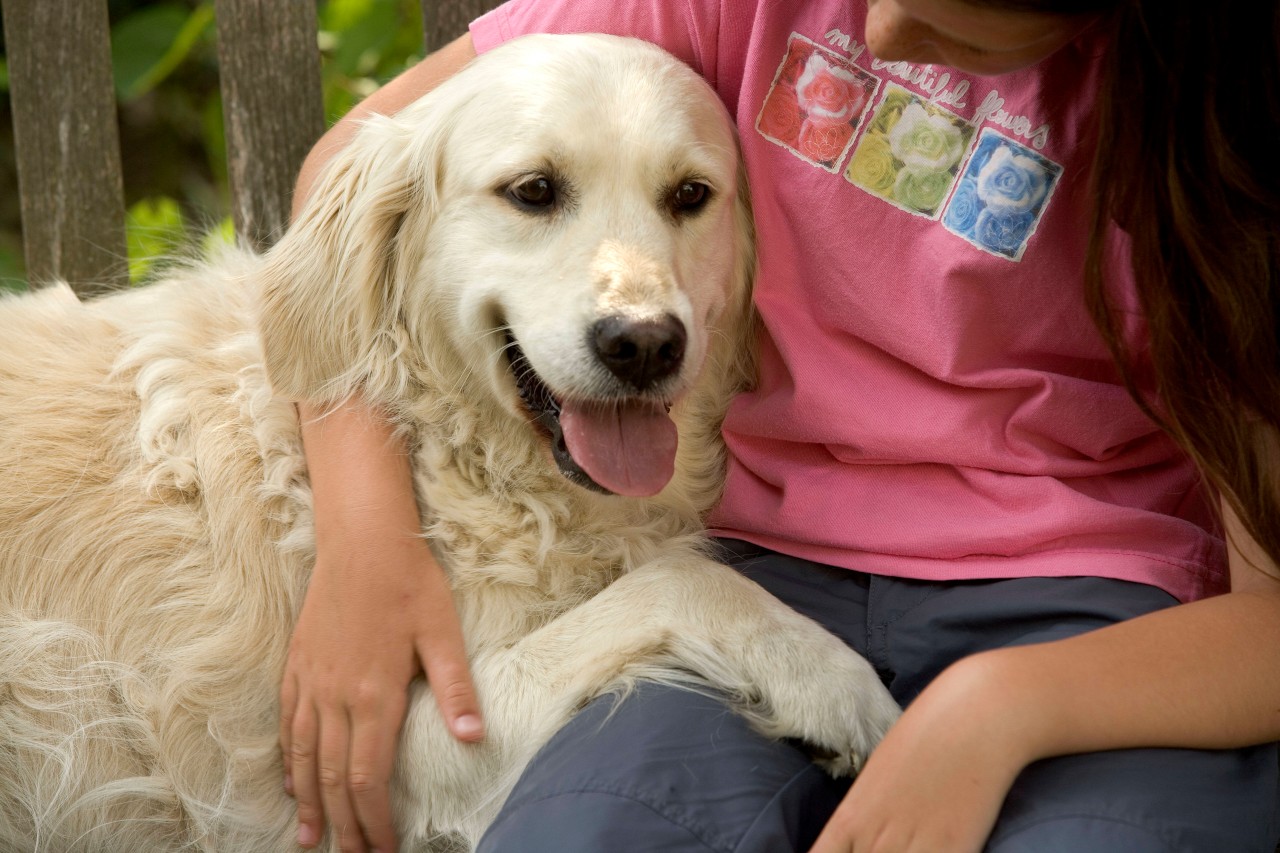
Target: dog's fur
(155,522)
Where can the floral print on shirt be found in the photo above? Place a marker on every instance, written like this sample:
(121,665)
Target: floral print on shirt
(923,158)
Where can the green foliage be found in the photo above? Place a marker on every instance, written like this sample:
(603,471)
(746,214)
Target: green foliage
(158,232)
(366,43)
(221,235)
(155,229)
(148,45)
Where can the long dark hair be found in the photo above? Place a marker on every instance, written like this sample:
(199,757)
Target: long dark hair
(1188,166)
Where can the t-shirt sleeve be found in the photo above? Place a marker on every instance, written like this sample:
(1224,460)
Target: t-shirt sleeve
(686,28)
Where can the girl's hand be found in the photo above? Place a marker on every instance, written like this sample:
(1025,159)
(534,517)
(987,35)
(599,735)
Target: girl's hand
(367,627)
(938,780)
(378,611)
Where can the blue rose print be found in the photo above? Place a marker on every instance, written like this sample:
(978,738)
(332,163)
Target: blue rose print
(1011,181)
(1001,196)
(965,206)
(1002,230)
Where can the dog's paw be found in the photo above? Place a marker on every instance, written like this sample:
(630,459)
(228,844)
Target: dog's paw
(852,723)
(836,705)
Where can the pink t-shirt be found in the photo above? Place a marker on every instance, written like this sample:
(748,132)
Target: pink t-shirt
(935,402)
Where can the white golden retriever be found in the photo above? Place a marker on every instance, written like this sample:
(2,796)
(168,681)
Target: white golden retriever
(529,267)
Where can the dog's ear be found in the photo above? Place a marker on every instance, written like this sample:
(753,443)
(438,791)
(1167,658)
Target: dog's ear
(331,289)
(740,347)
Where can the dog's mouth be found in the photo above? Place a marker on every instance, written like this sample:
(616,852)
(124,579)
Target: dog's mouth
(623,446)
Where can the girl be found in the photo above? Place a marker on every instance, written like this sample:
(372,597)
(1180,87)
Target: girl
(940,464)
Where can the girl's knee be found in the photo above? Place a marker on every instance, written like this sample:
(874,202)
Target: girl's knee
(666,770)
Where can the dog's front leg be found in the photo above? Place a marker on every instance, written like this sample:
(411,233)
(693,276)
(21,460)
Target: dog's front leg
(679,619)
(687,619)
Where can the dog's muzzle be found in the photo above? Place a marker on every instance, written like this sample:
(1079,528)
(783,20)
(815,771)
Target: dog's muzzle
(624,446)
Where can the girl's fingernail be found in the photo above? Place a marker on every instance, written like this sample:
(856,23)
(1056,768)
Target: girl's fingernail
(468,726)
(305,836)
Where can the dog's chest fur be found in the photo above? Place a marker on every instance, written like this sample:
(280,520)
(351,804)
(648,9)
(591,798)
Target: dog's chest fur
(507,525)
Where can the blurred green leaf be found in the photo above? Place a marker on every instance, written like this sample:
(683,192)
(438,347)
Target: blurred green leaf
(4,74)
(221,235)
(155,231)
(150,43)
(12,272)
(367,28)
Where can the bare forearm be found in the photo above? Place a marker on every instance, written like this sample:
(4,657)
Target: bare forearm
(359,471)
(1204,675)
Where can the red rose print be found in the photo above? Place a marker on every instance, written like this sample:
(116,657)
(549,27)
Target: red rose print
(781,116)
(824,141)
(828,92)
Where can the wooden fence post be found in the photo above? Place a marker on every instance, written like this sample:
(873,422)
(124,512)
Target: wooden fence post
(67,141)
(271,104)
(445,20)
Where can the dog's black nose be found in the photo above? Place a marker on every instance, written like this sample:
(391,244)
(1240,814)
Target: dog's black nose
(640,352)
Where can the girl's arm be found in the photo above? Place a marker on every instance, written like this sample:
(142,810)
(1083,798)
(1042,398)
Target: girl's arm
(378,608)
(1204,675)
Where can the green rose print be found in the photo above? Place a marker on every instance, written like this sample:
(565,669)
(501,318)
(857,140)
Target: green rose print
(873,167)
(910,153)
(926,142)
(922,189)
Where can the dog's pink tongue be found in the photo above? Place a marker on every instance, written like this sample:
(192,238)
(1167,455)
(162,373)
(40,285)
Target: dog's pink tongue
(628,449)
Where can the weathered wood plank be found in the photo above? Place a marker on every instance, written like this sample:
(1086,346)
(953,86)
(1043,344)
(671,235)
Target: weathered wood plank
(67,141)
(271,104)
(445,20)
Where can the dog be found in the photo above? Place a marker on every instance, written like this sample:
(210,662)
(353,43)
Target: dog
(541,271)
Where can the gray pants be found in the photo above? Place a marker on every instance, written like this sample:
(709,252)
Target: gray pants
(670,770)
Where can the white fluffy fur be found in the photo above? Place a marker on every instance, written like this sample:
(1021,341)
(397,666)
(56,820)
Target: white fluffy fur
(155,522)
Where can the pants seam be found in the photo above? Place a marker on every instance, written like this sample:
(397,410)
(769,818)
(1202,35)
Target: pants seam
(876,626)
(1169,844)
(768,806)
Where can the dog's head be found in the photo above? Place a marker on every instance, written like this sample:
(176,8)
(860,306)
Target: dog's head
(566,218)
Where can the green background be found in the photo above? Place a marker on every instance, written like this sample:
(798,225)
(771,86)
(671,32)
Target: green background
(164,57)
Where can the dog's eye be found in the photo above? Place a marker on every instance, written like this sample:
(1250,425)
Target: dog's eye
(689,197)
(534,194)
